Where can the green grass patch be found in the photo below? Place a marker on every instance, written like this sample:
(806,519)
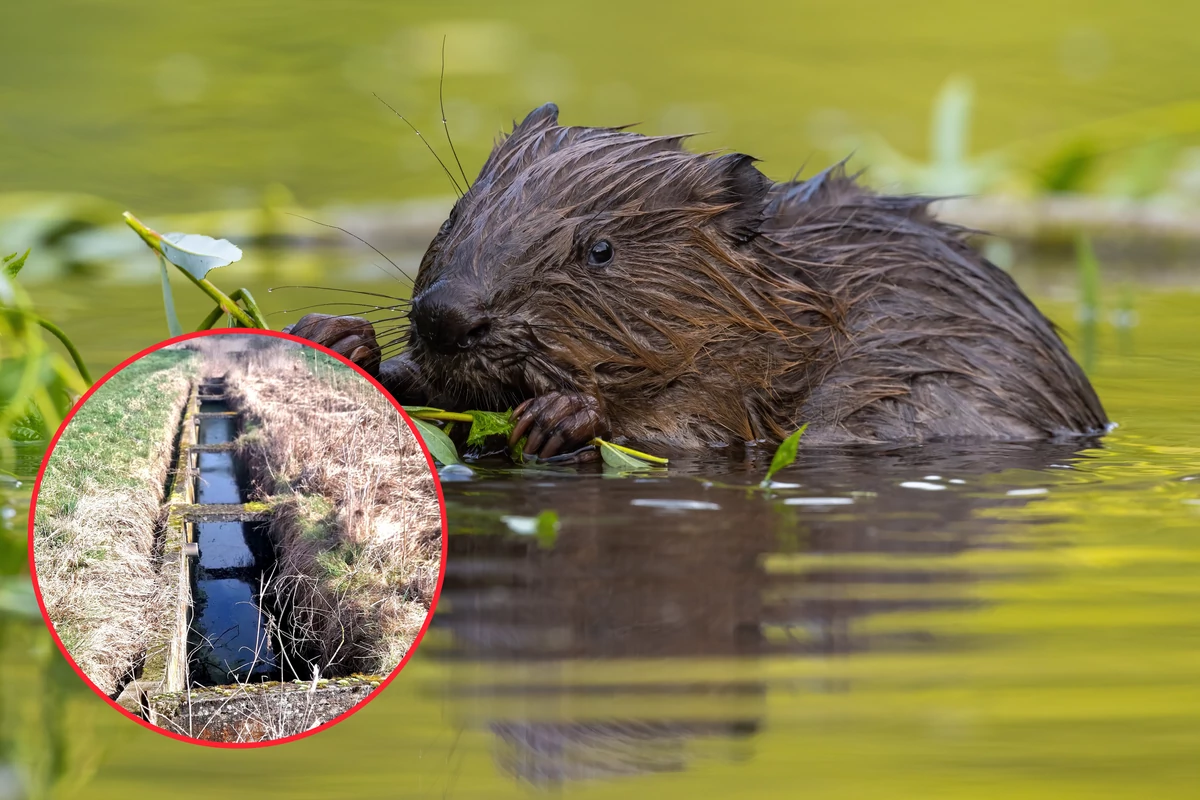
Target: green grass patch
(116,434)
(315,518)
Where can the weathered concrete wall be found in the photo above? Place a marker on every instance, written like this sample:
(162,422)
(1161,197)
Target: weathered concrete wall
(166,667)
(258,712)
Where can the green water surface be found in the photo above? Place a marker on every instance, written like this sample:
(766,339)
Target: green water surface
(1029,629)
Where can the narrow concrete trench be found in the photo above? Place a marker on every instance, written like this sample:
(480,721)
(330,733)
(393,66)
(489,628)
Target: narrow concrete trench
(226,672)
(231,636)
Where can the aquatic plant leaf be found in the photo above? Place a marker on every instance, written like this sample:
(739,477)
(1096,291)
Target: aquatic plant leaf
(193,253)
(489,423)
(626,458)
(13,264)
(197,254)
(439,444)
(1069,169)
(173,325)
(785,456)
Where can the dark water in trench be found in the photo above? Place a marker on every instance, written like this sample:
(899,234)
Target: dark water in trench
(218,480)
(223,545)
(232,638)
(217,430)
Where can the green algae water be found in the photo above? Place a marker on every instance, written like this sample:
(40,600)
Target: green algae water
(985,622)
(990,622)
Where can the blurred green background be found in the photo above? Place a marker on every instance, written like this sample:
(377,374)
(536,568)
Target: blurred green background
(167,107)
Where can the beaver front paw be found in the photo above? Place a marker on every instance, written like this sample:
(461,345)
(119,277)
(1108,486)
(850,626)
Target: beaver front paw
(352,337)
(402,378)
(558,423)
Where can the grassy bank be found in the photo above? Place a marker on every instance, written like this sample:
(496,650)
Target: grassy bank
(97,511)
(357,525)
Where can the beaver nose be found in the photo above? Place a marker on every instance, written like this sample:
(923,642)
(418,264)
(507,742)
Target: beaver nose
(447,326)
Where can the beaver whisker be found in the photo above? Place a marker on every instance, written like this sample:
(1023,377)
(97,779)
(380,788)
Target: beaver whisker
(394,338)
(403,276)
(428,146)
(446,125)
(384,324)
(399,300)
(371,308)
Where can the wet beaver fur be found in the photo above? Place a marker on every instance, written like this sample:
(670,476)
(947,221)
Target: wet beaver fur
(607,283)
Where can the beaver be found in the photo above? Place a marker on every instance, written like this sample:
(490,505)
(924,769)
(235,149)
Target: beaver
(608,283)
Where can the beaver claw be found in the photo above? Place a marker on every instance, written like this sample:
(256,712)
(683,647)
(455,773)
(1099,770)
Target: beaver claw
(352,337)
(557,423)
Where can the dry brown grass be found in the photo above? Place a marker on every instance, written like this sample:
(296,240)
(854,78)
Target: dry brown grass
(95,521)
(357,526)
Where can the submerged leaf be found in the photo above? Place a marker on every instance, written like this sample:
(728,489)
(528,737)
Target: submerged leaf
(544,526)
(489,423)
(439,444)
(785,456)
(626,458)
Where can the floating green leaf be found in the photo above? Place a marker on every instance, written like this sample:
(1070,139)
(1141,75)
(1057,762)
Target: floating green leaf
(439,444)
(626,458)
(785,456)
(489,423)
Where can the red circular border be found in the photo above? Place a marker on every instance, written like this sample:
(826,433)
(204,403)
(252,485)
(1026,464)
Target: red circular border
(441,569)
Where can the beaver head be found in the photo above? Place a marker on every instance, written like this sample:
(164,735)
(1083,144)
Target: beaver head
(596,261)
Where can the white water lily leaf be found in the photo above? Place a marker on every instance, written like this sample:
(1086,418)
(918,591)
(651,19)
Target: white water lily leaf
(197,254)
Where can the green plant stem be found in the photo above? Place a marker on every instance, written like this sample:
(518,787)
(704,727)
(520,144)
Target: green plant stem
(226,303)
(446,416)
(211,319)
(67,343)
(251,307)
(598,442)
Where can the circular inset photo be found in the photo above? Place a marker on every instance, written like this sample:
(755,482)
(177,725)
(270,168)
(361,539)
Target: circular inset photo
(237,538)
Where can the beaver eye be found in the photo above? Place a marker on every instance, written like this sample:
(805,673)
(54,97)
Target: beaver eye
(601,254)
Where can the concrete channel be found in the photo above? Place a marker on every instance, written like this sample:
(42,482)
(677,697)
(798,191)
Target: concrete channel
(223,656)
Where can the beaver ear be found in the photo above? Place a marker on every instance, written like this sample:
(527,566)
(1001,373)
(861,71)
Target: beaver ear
(744,189)
(542,116)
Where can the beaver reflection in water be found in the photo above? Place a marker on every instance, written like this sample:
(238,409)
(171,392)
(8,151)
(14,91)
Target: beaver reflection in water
(607,283)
